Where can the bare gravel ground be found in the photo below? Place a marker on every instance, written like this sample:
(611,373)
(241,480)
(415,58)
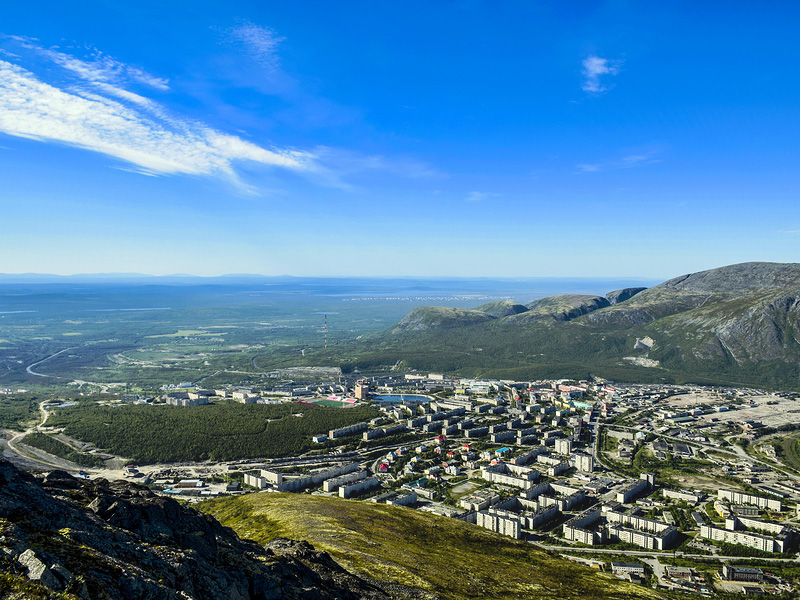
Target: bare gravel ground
(769,409)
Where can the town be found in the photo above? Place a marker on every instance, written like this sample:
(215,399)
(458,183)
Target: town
(674,487)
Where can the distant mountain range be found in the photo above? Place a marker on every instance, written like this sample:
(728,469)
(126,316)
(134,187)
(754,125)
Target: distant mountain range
(737,324)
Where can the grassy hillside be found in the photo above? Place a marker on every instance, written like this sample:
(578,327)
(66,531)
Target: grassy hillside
(455,560)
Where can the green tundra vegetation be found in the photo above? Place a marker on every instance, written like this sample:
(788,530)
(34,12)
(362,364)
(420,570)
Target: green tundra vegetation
(447,557)
(148,434)
(62,450)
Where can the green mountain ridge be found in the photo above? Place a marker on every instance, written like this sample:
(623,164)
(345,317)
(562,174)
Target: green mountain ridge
(502,308)
(623,294)
(563,308)
(735,324)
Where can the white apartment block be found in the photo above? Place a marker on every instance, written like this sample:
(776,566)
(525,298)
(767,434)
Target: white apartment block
(735,497)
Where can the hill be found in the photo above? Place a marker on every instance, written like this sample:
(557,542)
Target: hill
(438,317)
(623,294)
(502,308)
(445,557)
(738,324)
(562,308)
(65,538)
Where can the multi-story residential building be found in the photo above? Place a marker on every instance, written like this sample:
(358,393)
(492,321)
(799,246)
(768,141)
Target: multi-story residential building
(735,497)
(746,538)
(583,462)
(577,528)
(647,533)
(346,431)
(681,495)
(346,491)
(630,490)
(503,522)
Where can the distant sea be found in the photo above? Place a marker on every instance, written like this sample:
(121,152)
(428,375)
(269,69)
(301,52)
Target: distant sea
(21,295)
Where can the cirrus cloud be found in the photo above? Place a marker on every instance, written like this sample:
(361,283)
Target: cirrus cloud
(260,42)
(594,68)
(480,196)
(33,109)
(626,161)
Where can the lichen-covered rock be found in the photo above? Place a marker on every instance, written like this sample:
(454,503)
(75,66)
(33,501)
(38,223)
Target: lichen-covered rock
(38,571)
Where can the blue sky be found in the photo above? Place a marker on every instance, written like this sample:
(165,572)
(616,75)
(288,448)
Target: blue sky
(384,138)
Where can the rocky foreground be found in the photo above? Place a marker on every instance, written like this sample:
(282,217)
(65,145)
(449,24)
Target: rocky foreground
(61,537)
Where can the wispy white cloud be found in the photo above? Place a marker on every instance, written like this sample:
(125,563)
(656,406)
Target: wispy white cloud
(594,68)
(33,109)
(351,162)
(260,42)
(89,103)
(627,161)
(333,166)
(99,68)
(633,160)
(480,196)
(125,94)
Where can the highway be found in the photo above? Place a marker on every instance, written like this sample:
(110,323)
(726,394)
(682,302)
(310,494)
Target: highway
(30,370)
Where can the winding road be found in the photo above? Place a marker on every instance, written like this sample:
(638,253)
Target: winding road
(36,458)
(30,370)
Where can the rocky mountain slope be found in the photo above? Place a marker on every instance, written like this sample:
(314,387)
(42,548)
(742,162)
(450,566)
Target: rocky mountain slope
(737,324)
(61,537)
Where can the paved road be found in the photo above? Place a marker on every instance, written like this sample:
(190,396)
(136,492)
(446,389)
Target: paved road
(658,570)
(30,370)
